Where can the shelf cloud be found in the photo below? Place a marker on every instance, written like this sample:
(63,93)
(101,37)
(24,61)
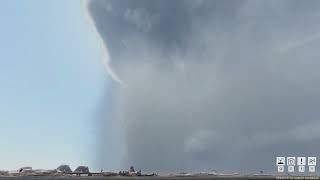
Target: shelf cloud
(213,84)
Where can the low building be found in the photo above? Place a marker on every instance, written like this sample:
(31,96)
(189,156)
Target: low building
(64,168)
(82,169)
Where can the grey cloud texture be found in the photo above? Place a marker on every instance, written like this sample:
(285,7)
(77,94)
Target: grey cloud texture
(225,85)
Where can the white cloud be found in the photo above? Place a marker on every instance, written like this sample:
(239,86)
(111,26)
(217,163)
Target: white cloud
(105,57)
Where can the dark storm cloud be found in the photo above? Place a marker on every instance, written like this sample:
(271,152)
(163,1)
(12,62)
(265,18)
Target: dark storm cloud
(224,85)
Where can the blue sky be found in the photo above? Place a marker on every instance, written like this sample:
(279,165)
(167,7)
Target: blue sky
(51,83)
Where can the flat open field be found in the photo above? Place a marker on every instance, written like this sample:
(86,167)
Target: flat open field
(162,178)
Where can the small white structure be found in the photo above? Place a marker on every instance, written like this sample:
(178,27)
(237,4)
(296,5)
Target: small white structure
(25,169)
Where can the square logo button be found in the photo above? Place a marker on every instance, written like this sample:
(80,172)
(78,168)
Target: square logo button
(280,168)
(312,161)
(291,161)
(290,168)
(301,161)
(312,169)
(301,168)
(281,161)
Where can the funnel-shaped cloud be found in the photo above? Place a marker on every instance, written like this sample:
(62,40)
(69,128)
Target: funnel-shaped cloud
(212,84)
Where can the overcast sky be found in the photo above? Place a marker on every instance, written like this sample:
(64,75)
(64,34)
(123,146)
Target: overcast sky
(204,84)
